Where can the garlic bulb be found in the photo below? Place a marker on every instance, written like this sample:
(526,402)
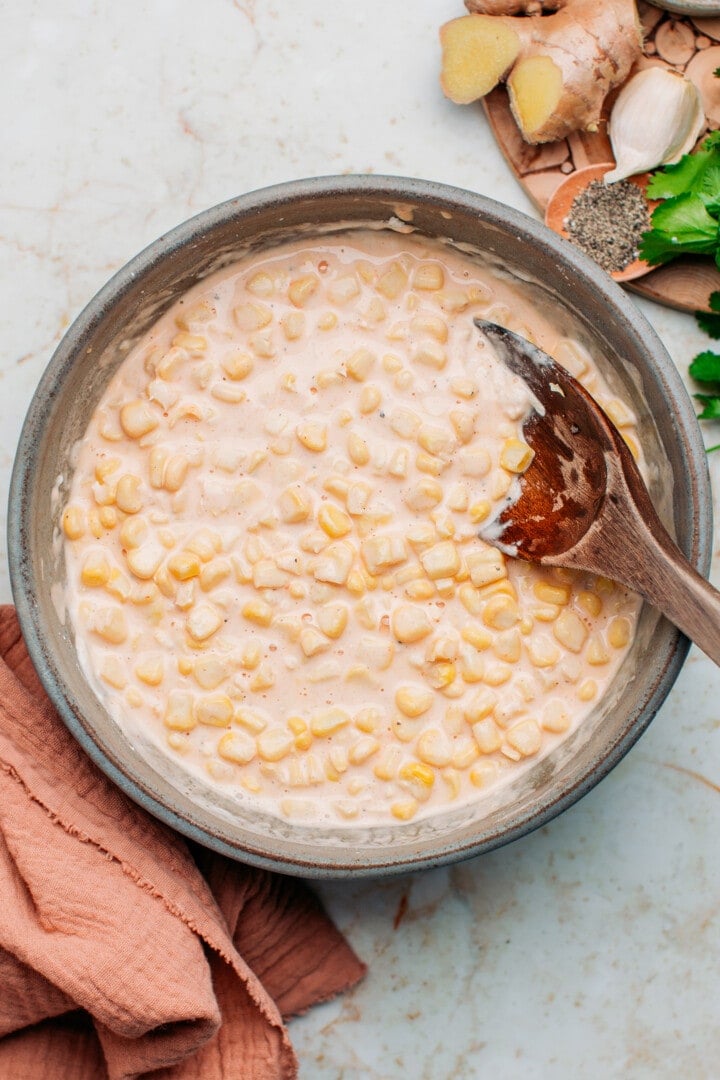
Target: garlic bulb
(657,118)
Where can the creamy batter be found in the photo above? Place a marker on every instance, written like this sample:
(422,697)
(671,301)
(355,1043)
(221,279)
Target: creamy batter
(273,568)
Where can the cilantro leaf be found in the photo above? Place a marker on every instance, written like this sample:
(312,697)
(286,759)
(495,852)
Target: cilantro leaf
(679,178)
(698,173)
(711,407)
(705,367)
(716,73)
(680,225)
(710,321)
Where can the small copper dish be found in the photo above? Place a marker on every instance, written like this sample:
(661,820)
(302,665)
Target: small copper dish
(564,196)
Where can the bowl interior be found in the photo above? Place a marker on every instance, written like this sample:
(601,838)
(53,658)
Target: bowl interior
(589,306)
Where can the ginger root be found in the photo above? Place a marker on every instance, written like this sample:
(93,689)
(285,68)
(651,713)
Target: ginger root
(559,68)
(513,7)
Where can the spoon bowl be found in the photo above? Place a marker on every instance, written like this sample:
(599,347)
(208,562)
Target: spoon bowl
(583,502)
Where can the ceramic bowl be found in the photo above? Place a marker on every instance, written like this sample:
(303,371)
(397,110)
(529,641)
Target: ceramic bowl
(588,304)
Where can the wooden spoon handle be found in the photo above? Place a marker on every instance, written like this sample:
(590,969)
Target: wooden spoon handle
(671,584)
(647,559)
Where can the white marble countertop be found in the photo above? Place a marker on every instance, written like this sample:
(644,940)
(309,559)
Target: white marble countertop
(588,950)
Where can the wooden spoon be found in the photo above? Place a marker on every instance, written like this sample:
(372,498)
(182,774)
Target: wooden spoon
(584,504)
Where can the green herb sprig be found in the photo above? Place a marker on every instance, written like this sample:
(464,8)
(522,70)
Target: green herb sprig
(687,222)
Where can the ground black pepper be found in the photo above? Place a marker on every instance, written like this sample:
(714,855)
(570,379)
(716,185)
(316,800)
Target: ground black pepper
(606,221)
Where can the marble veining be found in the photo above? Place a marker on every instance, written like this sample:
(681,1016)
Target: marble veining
(588,950)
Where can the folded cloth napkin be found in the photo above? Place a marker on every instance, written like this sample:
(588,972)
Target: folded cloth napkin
(123,952)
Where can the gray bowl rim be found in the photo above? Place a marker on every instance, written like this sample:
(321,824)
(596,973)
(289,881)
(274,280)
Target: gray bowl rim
(392,189)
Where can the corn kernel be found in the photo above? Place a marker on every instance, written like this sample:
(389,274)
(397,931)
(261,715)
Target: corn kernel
(482,774)
(343,289)
(137,419)
(203,622)
(144,561)
(96,570)
(590,603)
(250,719)
(458,497)
(179,711)
(477,637)
(333,521)
(404,809)
(357,448)
(382,552)
(174,472)
(419,590)
(73,522)
(213,710)
(453,300)
(497,673)
(392,281)
(329,721)
(108,517)
(597,653)
(525,737)
(359,365)
(618,633)
(413,700)
(258,612)
(555,716)
(570,631)
(274,745)
(429,463)
(542,652)
(587,690)
(417,772)
(424,495)
(405,423)
(293,325)
(500,612)
(237,747)
(332,620)
(301,289)
(370,398)
(294,504)
(464,388)
(410,624)
(209,671)
(195,344)
(113,672)
(312,641)
(429,276)
(252,316)
(551,594)
(430,354)
(516,456)
(434,748)
(150,670)
(110,624)
(432,325)
(335,563)
(507,646)
(487,735)
(480,511)
(184,565)
(214,572)
(312,435)
(363,749)
(441,560)
(261,284)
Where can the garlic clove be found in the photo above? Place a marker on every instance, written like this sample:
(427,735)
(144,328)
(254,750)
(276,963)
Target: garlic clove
(695,131)
(656,119)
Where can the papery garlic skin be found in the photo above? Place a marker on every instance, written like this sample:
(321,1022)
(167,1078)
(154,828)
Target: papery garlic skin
(657,118)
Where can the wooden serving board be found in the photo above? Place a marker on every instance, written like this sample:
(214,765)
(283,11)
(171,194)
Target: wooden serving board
(683,44)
